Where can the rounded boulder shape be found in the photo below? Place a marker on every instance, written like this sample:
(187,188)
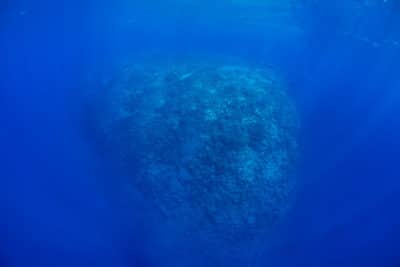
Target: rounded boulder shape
(212,147)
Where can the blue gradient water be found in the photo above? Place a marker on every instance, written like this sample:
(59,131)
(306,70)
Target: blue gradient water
(60,206)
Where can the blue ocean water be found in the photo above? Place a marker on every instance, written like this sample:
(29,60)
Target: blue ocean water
(60,204)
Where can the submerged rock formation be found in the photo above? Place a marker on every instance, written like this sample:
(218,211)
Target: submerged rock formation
(213,147)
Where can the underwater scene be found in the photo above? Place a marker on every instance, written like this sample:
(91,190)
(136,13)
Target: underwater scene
(183,133)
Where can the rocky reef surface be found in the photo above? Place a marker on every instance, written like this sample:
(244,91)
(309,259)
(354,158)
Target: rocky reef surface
(213,147)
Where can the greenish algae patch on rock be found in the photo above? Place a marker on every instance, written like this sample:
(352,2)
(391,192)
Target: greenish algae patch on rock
(212,147)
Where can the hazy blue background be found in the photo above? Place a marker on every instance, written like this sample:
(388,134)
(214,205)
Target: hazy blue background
(58,203)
